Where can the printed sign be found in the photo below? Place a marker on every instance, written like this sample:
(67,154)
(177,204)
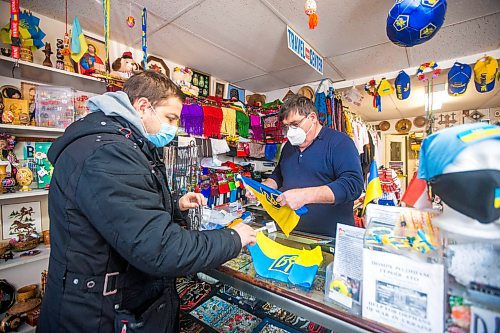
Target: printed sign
(304,51)
(484,321)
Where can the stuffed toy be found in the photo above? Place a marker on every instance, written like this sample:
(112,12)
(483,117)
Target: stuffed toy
(256,100)
(125,66)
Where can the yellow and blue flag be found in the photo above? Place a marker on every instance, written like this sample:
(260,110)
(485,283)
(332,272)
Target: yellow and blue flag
(373,187)
(284,216)
(287,264)
(29,30)
(78,42)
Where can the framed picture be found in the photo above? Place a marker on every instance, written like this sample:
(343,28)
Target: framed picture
(235,92)
(158,65)
(22,219)
(93,59)
(220,89)
(28,91)
(202,81)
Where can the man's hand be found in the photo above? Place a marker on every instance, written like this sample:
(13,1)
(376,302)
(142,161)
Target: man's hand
(295,198)
(247,234)
(268,182)
(191,200)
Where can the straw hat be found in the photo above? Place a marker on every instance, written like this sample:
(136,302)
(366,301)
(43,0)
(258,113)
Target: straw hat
(307,92)
(420,121)
(384,125)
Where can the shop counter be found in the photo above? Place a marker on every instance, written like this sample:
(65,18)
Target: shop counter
(310,304)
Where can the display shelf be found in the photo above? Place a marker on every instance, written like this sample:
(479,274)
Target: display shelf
(32,131)
(45,253)
(49,75)
(18,195)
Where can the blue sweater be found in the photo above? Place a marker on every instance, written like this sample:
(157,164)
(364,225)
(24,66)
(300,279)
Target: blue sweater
(331,160)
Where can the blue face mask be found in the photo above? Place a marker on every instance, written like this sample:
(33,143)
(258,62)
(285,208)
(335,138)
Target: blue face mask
(165,135)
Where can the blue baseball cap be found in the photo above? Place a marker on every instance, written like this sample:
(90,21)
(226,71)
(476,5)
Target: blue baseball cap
(458,78)
(403,85)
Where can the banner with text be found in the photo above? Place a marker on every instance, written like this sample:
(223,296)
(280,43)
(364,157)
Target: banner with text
(300,47)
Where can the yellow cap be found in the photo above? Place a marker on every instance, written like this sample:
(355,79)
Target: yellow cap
(485,72)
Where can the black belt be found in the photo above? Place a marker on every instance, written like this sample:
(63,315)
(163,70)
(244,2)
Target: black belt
(108,284)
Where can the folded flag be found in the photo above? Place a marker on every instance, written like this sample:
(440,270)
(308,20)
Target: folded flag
(286,264)
(78,42)
(286,217)
(416,195)
(373,187)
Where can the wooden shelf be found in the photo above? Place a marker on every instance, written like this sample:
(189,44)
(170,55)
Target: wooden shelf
(38,73)
(32,131)
(19,195)
(25,260)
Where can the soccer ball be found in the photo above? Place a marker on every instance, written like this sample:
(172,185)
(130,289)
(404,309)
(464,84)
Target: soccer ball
(412,22)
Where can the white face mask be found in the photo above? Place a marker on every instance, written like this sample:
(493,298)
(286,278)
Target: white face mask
(297,135)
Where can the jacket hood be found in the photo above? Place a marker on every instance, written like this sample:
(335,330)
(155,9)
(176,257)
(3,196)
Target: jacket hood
(115,104)
(94,124)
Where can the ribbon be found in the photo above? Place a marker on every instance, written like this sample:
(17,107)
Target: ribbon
(106,10)
(15,47)
(144,38)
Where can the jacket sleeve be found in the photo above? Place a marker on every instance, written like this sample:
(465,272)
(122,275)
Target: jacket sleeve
(348,184)
(117,193)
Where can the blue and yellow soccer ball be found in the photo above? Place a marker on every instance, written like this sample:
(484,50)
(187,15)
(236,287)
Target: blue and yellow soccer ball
(413,22)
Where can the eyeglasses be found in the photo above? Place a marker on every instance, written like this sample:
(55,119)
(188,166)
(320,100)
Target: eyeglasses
(293,125)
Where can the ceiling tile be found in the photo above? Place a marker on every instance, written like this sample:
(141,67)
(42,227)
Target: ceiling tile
(344,26)
(166,9)
(262,83)
(304,74)
(371,61)
(459,40)
(182,47)
(462,10)
(90,15)
(247,28)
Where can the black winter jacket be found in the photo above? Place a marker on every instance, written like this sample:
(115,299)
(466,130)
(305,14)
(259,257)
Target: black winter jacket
(111,212)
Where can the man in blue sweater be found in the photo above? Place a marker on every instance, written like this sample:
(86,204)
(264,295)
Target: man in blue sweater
(319,168)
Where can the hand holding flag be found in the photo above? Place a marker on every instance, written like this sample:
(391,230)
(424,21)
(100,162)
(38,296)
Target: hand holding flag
(286,217)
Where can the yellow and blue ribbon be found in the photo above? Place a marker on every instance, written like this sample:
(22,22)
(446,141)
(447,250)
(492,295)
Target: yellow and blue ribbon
(144,37)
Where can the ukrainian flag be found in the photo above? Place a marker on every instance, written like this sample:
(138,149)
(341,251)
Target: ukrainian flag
(286,264)
(286,217)
(373,188)
(78,42)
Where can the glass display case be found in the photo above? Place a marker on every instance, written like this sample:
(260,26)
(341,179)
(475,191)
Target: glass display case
(308,303)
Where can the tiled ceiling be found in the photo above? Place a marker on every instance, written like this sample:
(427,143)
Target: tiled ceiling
(244,41)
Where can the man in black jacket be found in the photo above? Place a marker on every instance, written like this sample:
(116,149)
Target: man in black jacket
(116,242)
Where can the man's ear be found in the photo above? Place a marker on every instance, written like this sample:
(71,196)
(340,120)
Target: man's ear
(141,105)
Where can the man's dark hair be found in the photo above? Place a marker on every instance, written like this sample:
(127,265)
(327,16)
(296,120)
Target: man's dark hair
(152,85)
(297,103)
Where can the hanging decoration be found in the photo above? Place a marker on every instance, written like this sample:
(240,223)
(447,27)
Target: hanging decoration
(15,47)
(310,9)
(23,32)
(413,22)
(431,65)
(372,90)
(107,10)
(130,18)
(144,38)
